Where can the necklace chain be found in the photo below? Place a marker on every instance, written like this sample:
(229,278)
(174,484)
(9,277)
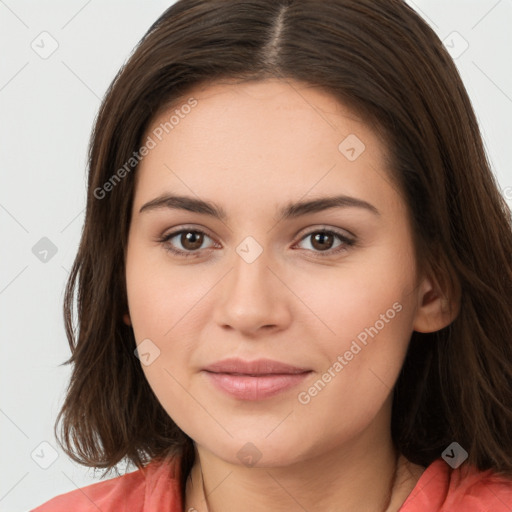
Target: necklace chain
(393,483)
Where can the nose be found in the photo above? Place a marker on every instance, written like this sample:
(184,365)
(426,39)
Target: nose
(252,299)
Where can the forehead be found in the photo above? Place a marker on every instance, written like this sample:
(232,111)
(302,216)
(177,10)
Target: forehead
(279,138)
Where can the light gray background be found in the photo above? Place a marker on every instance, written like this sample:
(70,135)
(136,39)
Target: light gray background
(47,107)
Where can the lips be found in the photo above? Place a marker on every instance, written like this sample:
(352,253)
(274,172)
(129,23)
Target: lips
(254,380)
(257,367)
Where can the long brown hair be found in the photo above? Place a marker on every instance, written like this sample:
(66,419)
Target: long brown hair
(380,58)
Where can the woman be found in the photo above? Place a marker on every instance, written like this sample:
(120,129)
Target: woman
(294,277)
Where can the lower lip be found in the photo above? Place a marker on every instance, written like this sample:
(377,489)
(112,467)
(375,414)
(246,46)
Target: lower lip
(245,387)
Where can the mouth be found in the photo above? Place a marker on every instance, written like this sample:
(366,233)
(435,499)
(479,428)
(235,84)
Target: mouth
(254,380)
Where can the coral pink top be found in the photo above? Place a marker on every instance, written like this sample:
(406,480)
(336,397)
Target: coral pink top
(156,489)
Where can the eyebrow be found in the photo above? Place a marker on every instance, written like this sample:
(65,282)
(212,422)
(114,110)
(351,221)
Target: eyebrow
(289,211)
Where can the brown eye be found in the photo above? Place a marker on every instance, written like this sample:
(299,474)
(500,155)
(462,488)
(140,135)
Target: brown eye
(326,242)
(187,242)
(191,240)
(322,241)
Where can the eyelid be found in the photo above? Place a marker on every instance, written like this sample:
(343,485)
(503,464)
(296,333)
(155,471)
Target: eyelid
(324,227)
(177,230)
(187,227)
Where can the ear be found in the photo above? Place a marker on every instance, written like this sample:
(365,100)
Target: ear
(437,308)
(127,319)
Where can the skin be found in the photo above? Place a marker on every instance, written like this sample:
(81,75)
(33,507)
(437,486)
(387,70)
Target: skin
(251,149)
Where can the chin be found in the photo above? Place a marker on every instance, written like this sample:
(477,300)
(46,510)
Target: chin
(252,450)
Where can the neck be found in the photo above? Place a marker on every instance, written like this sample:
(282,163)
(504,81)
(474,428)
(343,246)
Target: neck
(374,478)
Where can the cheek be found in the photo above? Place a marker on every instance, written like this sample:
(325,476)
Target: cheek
(367,311)
(161,296)
(353,296)
(166,304)
(361,370)
(161,300)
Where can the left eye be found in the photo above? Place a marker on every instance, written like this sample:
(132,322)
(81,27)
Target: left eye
(326,241)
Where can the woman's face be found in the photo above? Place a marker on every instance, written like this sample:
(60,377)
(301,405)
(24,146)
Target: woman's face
(295,247)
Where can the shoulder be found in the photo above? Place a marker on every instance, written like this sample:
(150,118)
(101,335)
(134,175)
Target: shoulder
(143,490)
(465,489)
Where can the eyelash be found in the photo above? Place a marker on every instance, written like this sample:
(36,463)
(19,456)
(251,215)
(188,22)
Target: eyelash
(345,242)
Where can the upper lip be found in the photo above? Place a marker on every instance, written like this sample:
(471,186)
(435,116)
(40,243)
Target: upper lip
(256,367)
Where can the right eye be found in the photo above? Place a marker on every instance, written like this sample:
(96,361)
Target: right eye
(190,240)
